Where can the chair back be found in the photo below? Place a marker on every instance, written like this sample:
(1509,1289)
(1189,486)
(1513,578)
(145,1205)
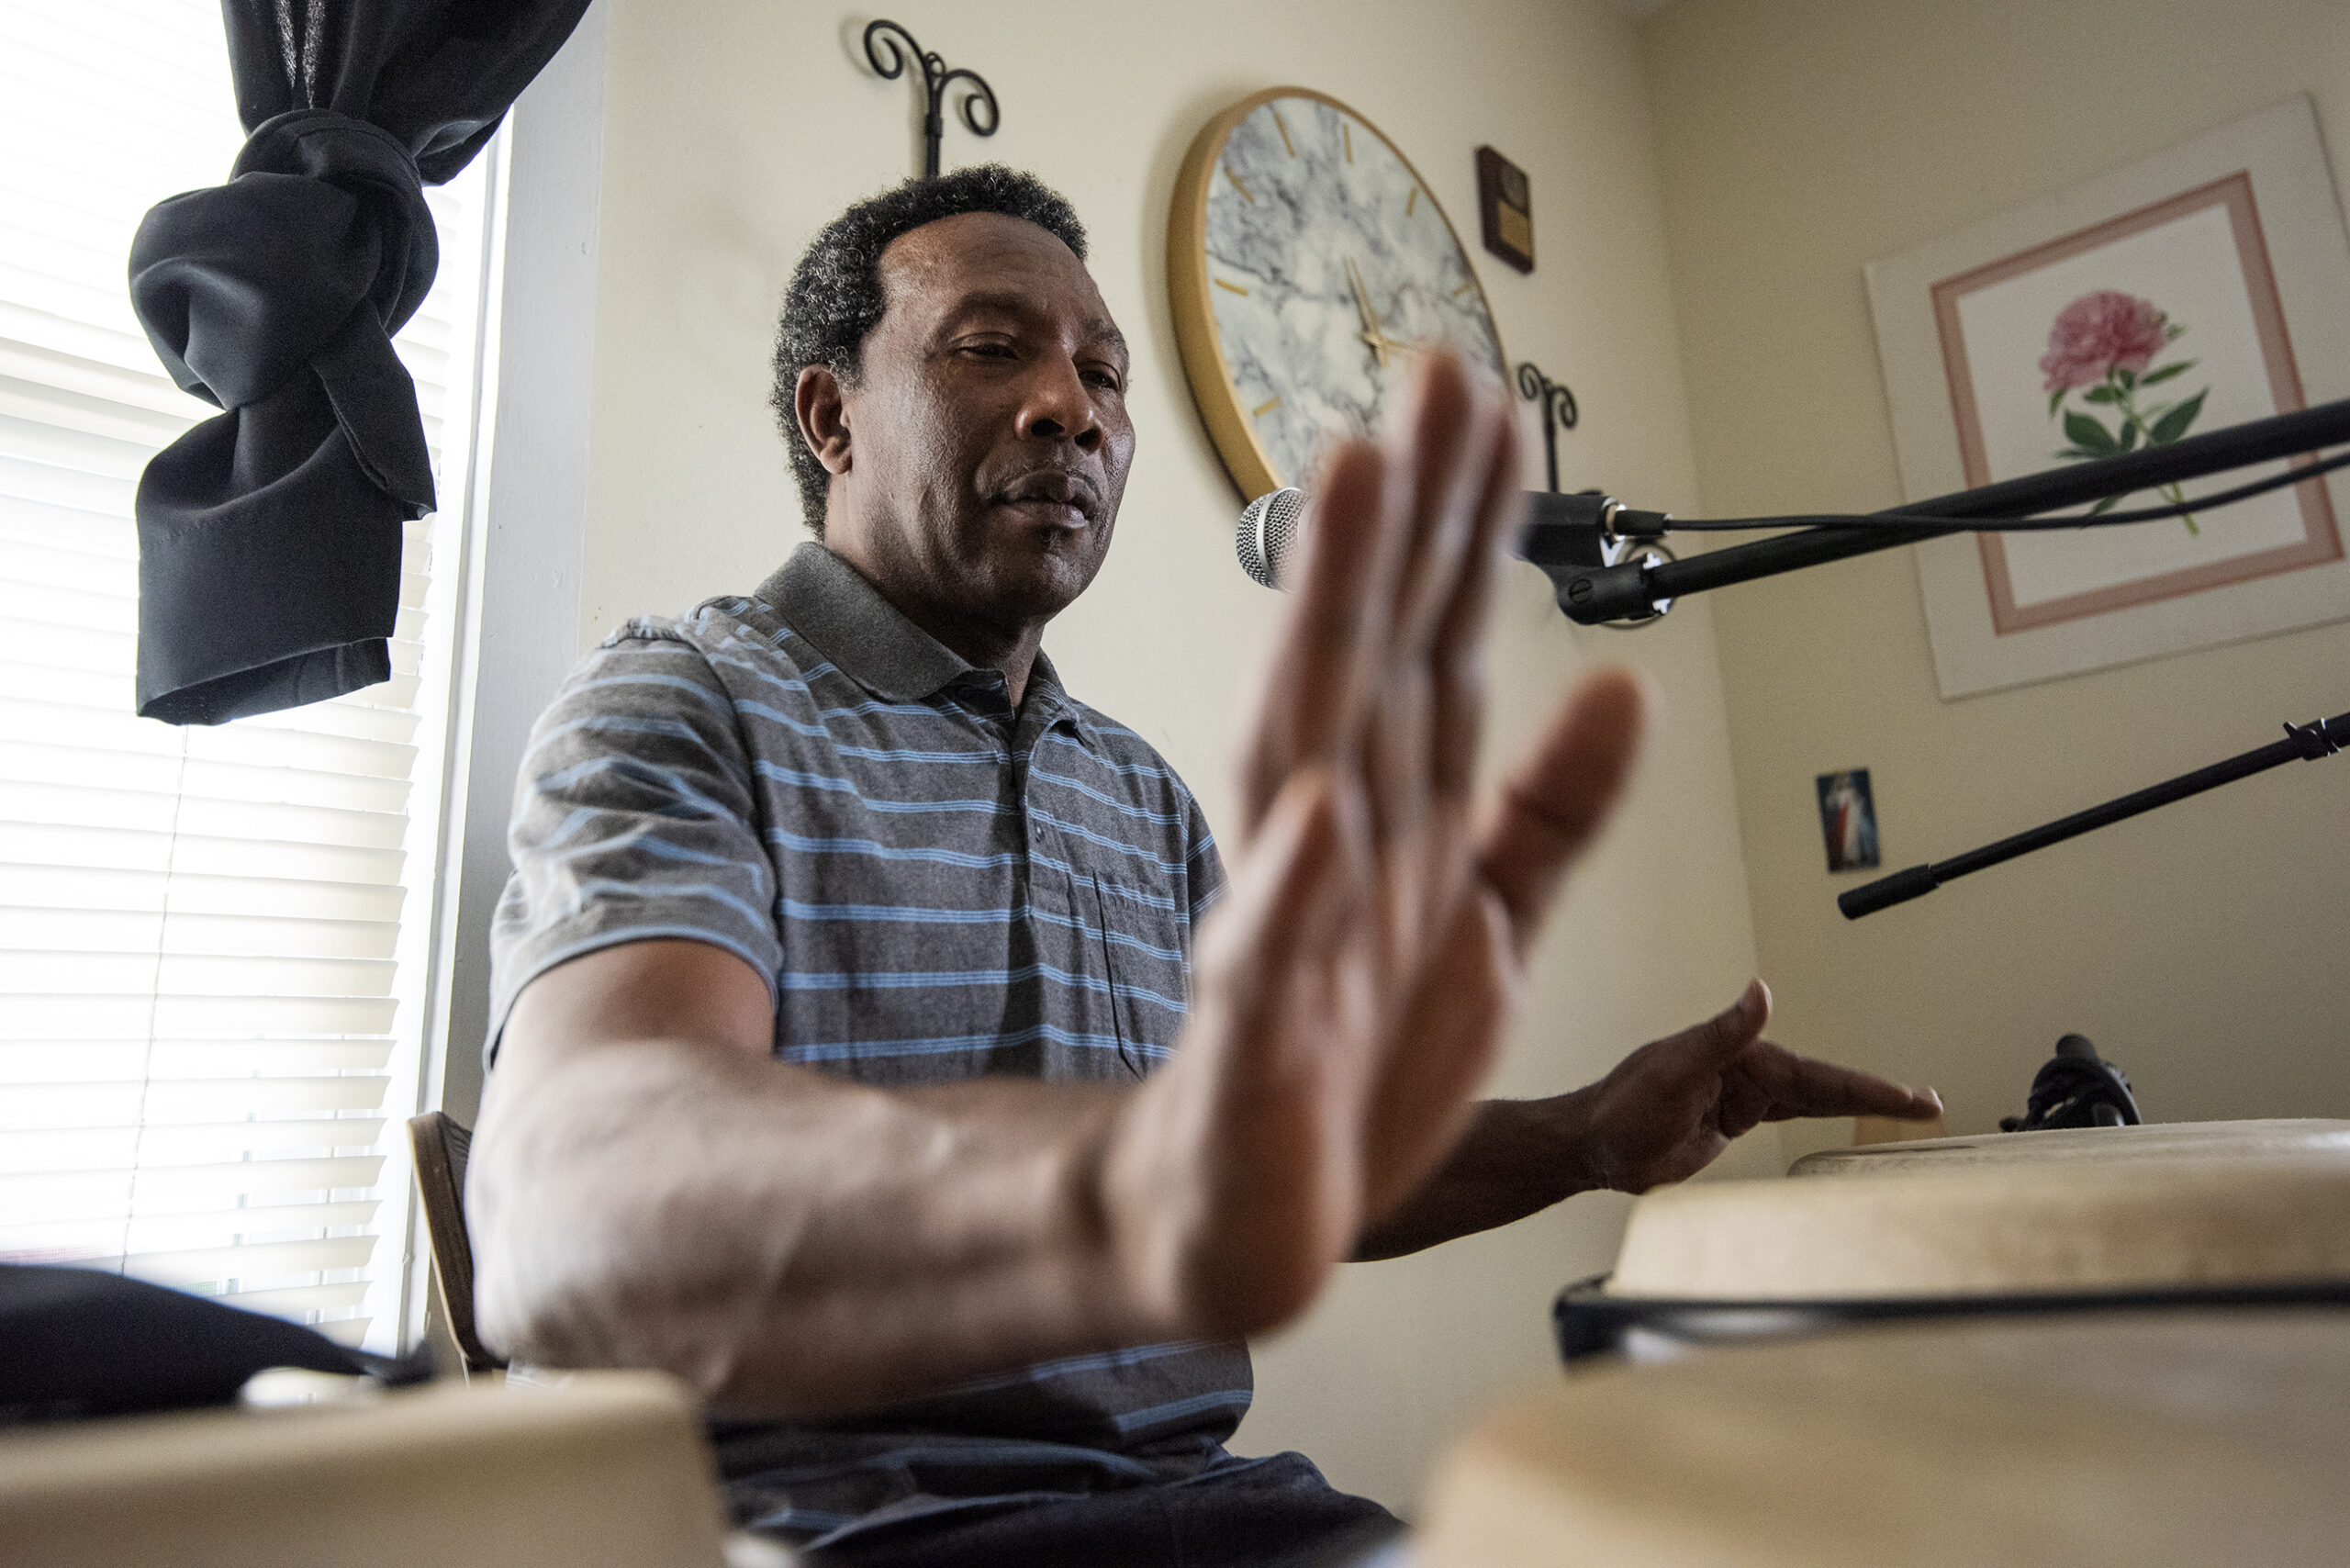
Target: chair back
(439,1142)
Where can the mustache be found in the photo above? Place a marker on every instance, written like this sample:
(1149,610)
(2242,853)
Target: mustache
(1057,483)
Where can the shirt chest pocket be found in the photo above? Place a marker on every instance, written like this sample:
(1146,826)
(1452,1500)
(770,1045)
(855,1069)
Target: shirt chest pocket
(1140,950)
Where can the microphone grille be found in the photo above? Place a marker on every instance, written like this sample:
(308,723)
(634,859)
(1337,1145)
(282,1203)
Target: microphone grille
(1269,535)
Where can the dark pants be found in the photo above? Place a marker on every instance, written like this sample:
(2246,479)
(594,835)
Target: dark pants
(1264,1513)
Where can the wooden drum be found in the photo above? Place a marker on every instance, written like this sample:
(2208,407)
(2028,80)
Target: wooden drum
(2176,1438)
(2246,1214)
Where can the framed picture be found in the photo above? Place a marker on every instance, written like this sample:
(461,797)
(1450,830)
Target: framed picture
(2200,288)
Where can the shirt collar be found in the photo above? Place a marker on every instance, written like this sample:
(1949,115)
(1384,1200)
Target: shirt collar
(825,601)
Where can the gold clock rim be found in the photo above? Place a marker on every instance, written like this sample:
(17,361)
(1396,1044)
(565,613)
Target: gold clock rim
(1194,310)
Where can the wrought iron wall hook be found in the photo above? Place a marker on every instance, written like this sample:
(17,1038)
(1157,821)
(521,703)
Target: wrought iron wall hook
(1559,413)
(935,77)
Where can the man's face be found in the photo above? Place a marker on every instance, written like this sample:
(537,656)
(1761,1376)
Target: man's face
(988,438)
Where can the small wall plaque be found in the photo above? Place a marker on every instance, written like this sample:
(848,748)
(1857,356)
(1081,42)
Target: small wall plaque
(1505,203)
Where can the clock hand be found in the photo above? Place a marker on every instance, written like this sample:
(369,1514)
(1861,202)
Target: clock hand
(1362,300)
(1379,341)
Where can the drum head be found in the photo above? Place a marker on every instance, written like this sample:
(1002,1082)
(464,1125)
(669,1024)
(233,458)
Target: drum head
(2158,1140)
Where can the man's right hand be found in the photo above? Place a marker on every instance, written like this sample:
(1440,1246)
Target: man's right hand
(1354,986)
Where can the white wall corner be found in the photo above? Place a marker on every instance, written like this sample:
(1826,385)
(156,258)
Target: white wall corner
(529,533)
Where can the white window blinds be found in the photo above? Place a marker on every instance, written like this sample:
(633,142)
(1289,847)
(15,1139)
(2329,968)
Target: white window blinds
(212,941)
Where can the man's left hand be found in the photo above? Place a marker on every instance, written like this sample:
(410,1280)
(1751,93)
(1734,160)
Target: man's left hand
(1664,1114)
(1671,1107)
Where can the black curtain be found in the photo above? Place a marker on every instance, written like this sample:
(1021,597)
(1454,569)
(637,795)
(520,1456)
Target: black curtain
(269,537)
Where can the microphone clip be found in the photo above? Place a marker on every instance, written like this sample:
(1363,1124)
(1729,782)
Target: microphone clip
(2316,739)
(1598,554)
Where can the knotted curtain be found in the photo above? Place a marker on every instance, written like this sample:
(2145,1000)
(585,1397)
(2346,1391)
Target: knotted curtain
(270,537)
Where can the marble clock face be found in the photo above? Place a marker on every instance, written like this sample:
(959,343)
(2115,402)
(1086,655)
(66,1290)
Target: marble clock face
(1325,266)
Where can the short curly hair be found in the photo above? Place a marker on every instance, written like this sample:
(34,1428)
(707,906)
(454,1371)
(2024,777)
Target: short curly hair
(834,300)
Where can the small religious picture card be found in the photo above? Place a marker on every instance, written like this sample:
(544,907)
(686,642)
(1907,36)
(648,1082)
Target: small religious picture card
(2197,288)
(1848,819)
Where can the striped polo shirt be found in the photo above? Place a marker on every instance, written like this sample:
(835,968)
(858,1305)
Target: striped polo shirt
(936,885)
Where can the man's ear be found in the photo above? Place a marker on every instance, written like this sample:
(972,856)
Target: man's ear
(817,403)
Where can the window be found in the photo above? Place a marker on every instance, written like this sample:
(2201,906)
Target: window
(214,943)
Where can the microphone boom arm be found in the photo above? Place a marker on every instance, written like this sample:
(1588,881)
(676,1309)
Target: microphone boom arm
(1570,537)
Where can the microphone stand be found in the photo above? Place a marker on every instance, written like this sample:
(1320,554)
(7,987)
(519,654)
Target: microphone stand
(1600,573)
(2317,739)
(1593,550)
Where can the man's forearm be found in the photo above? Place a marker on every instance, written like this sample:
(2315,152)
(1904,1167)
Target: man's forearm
(790,1244)
(1518,1158)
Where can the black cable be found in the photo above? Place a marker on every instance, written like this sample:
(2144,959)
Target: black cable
(2201,503)
(1896,517)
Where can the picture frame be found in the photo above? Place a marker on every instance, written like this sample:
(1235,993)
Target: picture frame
(2195,289)
(1505,210)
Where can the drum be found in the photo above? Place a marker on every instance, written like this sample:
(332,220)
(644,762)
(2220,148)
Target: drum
(611,1470)
(2180,1438)
(2022,1223)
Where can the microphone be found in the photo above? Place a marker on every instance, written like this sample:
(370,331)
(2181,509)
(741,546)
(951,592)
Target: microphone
(1270,532)
(1559,530)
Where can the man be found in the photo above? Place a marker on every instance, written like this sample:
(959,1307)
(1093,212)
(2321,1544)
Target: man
(858,1062)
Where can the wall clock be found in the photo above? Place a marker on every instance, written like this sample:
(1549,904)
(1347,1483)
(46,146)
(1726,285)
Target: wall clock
(1308,262)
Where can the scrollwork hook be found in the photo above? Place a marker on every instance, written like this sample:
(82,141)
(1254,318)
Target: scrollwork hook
(935,76)
(1558,411)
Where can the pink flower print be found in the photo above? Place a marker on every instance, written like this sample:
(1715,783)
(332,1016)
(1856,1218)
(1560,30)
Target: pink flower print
(2102,346)
(2100,332)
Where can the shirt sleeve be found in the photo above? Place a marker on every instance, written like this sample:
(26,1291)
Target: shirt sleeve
(1202,867)
(634,820)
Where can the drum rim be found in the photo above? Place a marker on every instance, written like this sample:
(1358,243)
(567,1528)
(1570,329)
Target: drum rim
(1588,1322)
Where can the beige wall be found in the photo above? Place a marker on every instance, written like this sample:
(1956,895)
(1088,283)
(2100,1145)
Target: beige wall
(2202,948)
(736,126)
